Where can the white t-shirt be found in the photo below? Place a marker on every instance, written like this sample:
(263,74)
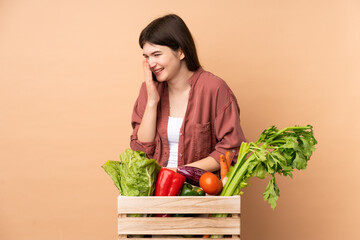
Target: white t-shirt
(173,131)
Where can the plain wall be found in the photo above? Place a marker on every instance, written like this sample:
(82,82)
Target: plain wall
(70,72)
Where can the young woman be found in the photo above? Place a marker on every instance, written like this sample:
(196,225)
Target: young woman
(183,115)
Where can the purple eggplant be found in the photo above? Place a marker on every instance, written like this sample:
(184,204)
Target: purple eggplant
(192,174)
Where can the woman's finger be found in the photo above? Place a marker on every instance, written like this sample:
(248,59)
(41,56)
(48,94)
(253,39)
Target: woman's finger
(153,95)
(147,71)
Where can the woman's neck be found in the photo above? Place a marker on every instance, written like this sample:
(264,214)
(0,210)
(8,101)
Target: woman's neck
(181,82)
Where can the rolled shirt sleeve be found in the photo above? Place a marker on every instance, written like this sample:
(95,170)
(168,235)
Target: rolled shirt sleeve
(228,132)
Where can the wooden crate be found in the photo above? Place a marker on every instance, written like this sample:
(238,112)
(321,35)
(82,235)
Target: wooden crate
(167,226)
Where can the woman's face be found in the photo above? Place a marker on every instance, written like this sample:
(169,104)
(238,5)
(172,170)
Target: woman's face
(164,62)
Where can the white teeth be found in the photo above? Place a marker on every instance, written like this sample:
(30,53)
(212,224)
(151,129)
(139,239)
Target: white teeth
(158,70)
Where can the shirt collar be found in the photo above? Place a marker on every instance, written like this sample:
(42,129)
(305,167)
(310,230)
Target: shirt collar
(192,80)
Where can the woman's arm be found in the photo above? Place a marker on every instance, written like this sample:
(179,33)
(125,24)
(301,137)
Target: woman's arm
(147,128)
(209,164)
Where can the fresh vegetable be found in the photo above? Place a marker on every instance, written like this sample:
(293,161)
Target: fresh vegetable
(199,191)
(189,190)
(276,151)
(228,159)
(169,183)
(134,174)
(210,183)
(192,174)
(223,166)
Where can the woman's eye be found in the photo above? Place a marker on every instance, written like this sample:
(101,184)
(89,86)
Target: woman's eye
(157,55)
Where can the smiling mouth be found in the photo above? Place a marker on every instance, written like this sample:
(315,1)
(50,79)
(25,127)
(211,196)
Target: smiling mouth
(157,71)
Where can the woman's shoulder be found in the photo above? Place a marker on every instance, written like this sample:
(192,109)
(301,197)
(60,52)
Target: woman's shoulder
(214,87)
(209,76)
(211,82)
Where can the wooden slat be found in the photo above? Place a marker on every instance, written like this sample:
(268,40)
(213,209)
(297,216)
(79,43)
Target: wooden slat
(179,225)
(237,216)
(121,216)
(178,204)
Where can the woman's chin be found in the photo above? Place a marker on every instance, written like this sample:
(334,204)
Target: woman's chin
(160,79)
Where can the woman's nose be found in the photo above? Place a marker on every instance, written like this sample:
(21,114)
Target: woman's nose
(151,62)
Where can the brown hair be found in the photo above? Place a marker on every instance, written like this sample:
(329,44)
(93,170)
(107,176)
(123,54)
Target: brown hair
(171,31)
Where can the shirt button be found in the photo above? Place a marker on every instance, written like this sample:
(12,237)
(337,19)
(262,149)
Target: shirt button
(180,154)
(233,150)
(180,134)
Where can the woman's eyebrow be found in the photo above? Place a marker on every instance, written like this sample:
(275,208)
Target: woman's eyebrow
(152,53)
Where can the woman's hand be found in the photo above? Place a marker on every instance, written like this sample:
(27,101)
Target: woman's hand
(153,95)
(147,128)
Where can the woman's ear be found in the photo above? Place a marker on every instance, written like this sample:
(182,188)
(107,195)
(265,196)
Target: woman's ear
(181,54)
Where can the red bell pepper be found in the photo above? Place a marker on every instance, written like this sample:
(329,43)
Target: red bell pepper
(169,183)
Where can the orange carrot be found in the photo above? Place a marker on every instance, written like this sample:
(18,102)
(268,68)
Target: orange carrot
(223,166)
(228,159)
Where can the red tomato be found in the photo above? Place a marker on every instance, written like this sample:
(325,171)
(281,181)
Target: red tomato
(210,183)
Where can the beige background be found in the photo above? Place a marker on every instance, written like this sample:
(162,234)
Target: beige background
(70,72)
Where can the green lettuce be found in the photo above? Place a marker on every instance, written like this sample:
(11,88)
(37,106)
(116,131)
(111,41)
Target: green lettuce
(134,174)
